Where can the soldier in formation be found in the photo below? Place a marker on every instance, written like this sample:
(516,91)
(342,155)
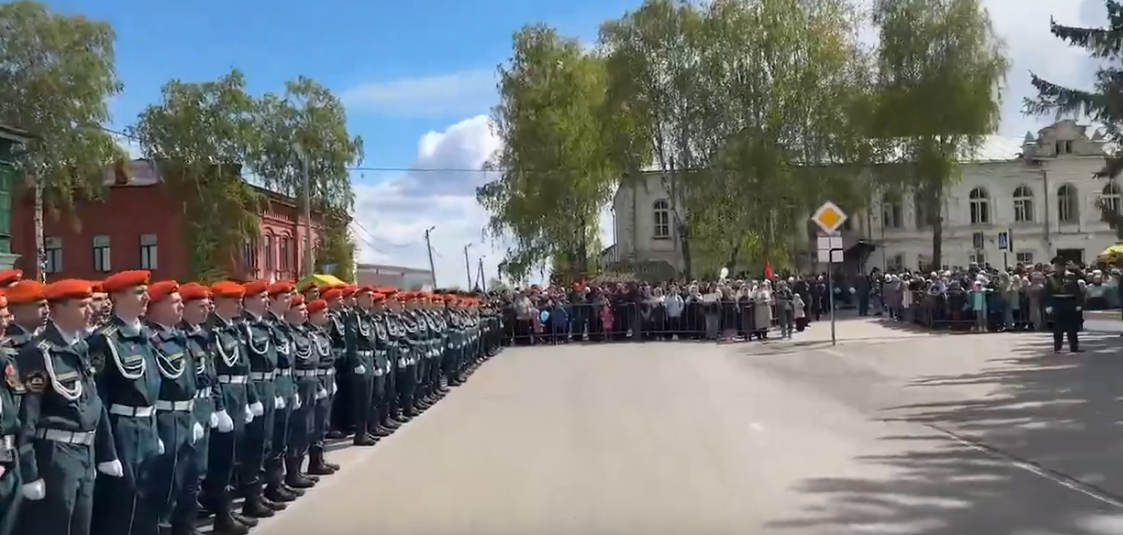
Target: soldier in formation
(132,406)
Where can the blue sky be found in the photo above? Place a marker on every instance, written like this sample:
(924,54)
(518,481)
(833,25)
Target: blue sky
(418,79)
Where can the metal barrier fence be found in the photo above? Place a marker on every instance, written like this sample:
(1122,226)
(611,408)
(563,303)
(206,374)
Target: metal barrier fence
(646,322)
(953,310)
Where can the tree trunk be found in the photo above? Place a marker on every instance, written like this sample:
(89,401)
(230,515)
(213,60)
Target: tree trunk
(40,244)
(684,241)
(731,263)
(582,263)
(937,229)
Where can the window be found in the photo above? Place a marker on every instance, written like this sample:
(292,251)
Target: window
(5,211)
(923,210)
(148,252)
(1067,204)
(1111,197)
(1024,258)
(896,262)
(249,254)
(1060,146)
(269,252)
(979,258)
(101,254)
(1023,204)
(52,263)
(980,207)
(662,213)
(890,211)
(286,253)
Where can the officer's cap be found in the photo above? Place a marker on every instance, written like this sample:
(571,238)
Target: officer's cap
(123,281)
(9,277)
(66,290)
(228,290)
(317,305)
(158,291)
(25,292)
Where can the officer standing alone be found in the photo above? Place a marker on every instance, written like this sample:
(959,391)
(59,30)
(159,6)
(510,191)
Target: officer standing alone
(1064,300)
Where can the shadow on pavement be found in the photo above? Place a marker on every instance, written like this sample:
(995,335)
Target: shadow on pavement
(1056,414)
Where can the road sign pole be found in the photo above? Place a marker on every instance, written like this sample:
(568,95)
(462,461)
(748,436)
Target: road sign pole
(830,218)
(830,300)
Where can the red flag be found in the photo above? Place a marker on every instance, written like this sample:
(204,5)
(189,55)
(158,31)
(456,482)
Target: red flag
(768,270)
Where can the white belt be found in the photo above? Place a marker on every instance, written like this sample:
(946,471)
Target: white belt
(262,376)
(203,393)
(162,405)
(66,437)
(329,371)
(306,373)
(365,353)
(232,379)
(132,412)
(285,372)
(8,442)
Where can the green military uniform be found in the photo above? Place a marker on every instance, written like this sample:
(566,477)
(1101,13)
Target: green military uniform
(175,418)
(10,481)
(360,375)
(65,435)
(1066,299)
(257,337)
(380,425)
(285,398)
(306,367)
(327,355)
(413,353)
(339,329)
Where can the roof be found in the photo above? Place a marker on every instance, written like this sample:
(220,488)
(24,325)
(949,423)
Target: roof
(384,268)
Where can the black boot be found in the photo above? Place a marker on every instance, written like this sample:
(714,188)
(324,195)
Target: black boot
(317,465)
(255,505)
(225,524)
(277,494)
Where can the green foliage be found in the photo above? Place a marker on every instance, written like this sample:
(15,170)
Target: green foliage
(555,172)
(57,73)
(1103,103)
(338,246)
(199,134)
(941,69)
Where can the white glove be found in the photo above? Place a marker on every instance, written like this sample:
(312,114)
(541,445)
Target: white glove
(34,491)
(159,446)
(360,369)
(249,414)
(278,402)
(214,420)
(1048,310)
(296,404)
(225,422)
(111,468)
(321,394)
(197,433)
(1078,309)
(257,409)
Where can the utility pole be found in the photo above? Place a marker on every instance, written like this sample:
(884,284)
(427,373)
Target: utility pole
(480,280)
(309,254)
(429,247)
(468,267)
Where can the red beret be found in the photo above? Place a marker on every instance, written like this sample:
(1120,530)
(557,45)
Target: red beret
(255,287)
(378,298)
(278,288)
(334,293)
(317,305)
(194,292)
(296,300)
(346,291)
(3,301)
(160,290)
(228,290)
(97,287)
(119,282)
(67,289)
(364,290)
(25,292)
(9,277)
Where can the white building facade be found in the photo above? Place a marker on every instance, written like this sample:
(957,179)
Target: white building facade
(1042,193)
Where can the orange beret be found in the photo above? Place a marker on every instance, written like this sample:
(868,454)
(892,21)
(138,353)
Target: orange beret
(255,288)
(97,287)
(334,293)
(317,305)
(296,300)
(377,297)
(160,290)
(346,291)
(9,277)
(228,290)
(67,289)
(278,288)
(119,282)
(25,292)
(3,301)
(365,290)
(194,292)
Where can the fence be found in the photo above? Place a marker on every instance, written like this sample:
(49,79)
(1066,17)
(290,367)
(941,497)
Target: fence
(953,310)
(645,322)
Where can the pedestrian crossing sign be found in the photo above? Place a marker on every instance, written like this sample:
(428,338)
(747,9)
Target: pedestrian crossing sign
(1003,241)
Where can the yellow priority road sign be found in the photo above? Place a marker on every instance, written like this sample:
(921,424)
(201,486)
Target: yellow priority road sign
(829,217)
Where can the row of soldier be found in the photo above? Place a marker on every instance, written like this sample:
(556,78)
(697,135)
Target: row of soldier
(131,408)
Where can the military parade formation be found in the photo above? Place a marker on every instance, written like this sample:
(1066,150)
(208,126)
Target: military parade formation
(133,407)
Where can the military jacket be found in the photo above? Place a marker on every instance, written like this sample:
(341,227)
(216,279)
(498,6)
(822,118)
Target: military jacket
(282,340)
(396,336)
(174,362)
(260,348)
(10,393)
(232,365)
(61,395)
(381,336)
(208,396)
(124,360)
(305,357)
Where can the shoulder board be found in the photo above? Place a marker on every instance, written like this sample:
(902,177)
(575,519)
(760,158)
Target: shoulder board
(44,346)
(107,330)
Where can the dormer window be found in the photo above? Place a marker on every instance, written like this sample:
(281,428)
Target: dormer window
(1064,147)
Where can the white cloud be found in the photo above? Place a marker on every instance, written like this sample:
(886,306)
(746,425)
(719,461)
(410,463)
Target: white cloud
(459,93)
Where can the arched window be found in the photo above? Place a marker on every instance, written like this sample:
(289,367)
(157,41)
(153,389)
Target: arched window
(285,253)
(249,254)
(270,251)
(1111,197)
(661,210)
(1068,206)
(980,206)
(1023,204)
(891,211)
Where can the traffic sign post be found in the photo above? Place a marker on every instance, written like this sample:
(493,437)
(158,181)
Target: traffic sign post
(830,218)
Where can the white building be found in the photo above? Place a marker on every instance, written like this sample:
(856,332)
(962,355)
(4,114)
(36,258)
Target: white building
(1046,199)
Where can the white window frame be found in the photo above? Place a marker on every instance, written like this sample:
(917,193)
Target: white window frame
(1024,257)
(52,255)
(979,206)
(661,219)
(1111,197)
(103,254)
(1023,204)
(1068,204)
(979,257)
(149,252)
(892,213)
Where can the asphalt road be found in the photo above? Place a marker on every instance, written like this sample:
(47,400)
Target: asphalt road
(890,432)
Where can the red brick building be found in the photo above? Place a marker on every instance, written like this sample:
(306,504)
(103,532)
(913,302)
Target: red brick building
(137,225)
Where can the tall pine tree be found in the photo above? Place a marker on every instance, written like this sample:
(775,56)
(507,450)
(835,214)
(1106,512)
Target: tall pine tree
(1103,103)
